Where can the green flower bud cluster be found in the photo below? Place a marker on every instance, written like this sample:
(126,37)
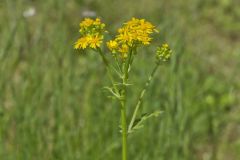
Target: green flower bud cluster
(163,53)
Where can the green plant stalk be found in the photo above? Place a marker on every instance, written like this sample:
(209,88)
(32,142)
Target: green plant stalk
(124,124)
(123,108)
(141,96)
(105,61)
(122,101)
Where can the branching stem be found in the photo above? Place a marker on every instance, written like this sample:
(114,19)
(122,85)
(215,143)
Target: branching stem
(105,61)
(141,97)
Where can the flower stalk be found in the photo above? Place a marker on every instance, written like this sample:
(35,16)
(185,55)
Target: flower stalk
(124,120)
(123,48)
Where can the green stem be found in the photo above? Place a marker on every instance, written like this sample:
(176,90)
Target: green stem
(123,110)
(141,97)
(105,61)
(124,127)
(123,103)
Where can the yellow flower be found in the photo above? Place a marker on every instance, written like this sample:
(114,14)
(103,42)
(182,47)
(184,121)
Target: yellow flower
(88,41)
(81,43)
(136,31)
(132,33)
(95,41)
(112,45)
(91,34)
(86,22)
(124,48)
(125,37)
(97,21)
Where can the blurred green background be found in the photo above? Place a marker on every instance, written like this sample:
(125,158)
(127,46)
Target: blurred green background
(53,107)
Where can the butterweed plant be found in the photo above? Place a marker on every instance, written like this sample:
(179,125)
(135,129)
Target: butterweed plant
(118,62)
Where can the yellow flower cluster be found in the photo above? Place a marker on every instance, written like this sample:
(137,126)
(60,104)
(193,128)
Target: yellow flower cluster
(89,41)
(163,53)
(132,33)
(91,34)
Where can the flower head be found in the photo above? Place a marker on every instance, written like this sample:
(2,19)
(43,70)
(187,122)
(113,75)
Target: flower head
(81,43)
(136,31)
(112,45)
(86,23)
(132,33)
(95,41)
(163,53)
(90,34)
